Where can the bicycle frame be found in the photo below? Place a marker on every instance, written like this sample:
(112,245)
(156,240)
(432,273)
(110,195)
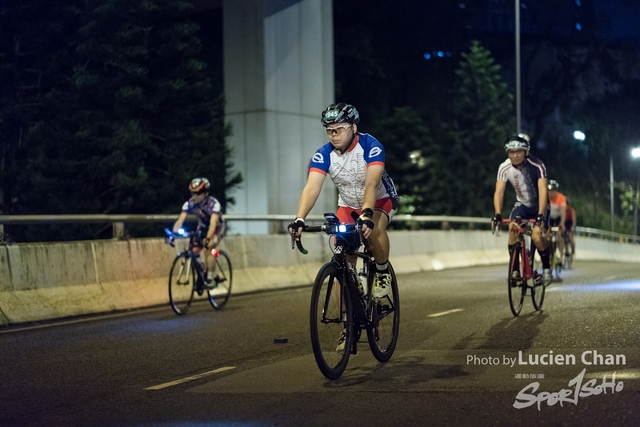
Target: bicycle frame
(350,283)
(341,310)
(527,252)
(527,278)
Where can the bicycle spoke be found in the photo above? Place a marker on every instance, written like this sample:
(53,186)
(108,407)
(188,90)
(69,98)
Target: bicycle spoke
(223,279)
(538,289)
(517,286)
(385,315)
(330,316)
(181,284)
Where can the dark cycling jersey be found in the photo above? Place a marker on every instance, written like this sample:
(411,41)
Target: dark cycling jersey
(204,210)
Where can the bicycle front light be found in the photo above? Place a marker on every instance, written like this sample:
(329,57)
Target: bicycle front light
(342,228)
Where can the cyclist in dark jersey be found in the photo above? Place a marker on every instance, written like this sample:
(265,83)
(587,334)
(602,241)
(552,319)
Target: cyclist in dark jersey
(210,221)
(528,176)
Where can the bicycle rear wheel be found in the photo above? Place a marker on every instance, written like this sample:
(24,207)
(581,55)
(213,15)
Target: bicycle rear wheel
(219,295)
(331,315)
(538,289)
(182,279)
(385,322)
(517,288)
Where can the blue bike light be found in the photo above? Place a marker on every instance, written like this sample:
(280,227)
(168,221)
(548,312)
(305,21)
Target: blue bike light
(342,228)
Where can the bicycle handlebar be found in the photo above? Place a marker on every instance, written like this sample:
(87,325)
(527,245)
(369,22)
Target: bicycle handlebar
(328,228)
(517,220)
(171,235)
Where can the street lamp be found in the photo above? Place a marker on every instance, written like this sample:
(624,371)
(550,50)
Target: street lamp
(580,136)
(518,96)
(635,153)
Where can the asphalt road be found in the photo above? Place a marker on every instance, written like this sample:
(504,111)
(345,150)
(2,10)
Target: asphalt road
(460,361)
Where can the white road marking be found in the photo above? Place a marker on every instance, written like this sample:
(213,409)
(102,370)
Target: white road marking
(187,379)
(455,310)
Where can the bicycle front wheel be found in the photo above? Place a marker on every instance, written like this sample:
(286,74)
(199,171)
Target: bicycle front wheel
(515,282)
(182,279)
(538,289)
(223,279)
(331,316)
(385,322)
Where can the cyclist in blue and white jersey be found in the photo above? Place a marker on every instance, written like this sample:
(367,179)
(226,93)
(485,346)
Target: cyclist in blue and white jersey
(208,210)
(528,176)
(355,163)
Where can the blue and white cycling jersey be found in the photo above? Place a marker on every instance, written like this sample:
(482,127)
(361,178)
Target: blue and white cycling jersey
(348,170)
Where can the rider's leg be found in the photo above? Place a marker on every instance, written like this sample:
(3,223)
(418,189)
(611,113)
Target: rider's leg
(379,239)
(379,242)
(561,243)
(573,242)
(511,242)
(540,240)
(210,259)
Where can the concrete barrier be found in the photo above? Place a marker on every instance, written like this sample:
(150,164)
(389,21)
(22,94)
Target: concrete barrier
(55,280)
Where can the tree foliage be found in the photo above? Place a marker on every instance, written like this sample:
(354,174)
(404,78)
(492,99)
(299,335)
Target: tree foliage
(482,121)
(37,40)
(414,160)
(138,119)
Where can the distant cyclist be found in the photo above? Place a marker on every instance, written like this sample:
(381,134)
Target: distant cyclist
(528,176)
(570,224)
(558,213)
(210,220)
(355,162)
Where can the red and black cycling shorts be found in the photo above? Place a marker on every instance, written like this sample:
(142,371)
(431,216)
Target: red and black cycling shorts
(384,205)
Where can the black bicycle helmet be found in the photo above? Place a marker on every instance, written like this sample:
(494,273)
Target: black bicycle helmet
(517,142)
(340,113)
(199,185)
(553,185)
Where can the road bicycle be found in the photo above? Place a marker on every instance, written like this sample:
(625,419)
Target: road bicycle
(188,274)
(524,271)
(342,301)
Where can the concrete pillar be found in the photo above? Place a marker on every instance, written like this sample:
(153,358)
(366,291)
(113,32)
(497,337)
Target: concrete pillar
(278,77)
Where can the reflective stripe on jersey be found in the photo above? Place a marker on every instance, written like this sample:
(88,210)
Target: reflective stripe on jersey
(203,210)
(348,170)
(524,181)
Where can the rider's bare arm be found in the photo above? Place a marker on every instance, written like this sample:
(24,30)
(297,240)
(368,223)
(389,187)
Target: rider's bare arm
(498,195)
(310,193)
(178,224)
(543,196)
(371,183)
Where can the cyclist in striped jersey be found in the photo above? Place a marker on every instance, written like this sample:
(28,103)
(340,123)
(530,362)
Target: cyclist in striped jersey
(528,176)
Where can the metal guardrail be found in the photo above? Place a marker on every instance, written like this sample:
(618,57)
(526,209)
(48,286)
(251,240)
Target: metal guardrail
(118,222)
